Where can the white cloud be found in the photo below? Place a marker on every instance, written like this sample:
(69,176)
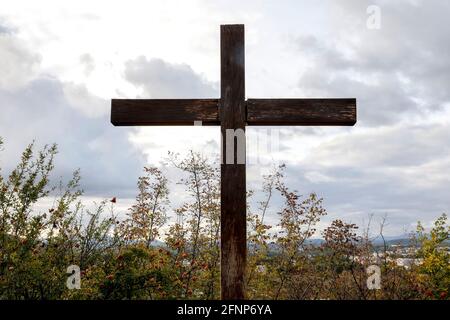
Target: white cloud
(80,98)
(317,177)
(18,64)
(89,64)
(40,111)
(159,79)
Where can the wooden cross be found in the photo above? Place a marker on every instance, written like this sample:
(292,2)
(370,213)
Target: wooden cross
(233,111)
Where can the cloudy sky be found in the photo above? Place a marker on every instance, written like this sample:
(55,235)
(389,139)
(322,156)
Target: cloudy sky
(62,62)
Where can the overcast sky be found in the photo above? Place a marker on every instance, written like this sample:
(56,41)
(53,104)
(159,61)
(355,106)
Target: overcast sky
(62,62)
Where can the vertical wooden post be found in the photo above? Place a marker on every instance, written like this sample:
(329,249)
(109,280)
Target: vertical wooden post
(233,184)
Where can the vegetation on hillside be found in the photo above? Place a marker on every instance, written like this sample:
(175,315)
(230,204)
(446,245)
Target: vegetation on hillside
(121,258)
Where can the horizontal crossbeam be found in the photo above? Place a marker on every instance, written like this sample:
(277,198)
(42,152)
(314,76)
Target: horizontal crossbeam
(301,112)
(259,112)
(164,112)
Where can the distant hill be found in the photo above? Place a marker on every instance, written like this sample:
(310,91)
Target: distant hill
(402,240)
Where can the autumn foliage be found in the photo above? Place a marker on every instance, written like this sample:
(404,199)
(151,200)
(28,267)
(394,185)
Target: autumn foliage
(158,251)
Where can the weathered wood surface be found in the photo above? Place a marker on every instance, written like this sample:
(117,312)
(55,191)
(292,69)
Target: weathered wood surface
(301,112)
(163,112)
(233,188)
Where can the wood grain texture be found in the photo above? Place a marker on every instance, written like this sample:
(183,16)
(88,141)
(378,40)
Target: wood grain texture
(302,112)
(233,188)
(163,112)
